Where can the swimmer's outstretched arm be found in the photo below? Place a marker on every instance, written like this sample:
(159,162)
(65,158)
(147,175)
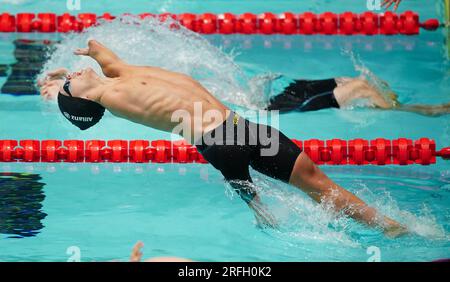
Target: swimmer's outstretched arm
(310,179)
(111,64)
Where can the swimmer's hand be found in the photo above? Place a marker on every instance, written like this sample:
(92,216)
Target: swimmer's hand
(49,90)
(50,86)
(56,74)
(136,254)
(388,3)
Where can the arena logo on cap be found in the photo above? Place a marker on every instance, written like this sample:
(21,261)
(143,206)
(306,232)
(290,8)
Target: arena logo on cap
(77,118)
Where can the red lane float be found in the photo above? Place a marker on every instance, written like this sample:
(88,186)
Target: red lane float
(401,151)
(347,23)
(369,23)
(328,23)
(226,23)
(288,23)
(307,23)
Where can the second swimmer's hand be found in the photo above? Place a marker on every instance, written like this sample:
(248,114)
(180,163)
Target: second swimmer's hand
(388,3)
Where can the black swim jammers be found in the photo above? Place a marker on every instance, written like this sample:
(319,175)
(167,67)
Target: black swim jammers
(306,95)
(238,143)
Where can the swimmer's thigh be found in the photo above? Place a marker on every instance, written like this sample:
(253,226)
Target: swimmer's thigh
(276,155)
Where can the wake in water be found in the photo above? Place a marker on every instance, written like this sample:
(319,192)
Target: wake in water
(300,218)
(423,223)
(151,42)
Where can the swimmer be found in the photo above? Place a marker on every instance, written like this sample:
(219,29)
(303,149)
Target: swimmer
(150,96)
(313,95)
(388,3)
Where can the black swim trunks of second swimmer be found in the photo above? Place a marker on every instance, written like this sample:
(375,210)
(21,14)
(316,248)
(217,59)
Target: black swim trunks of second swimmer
(239,143)
(305,95)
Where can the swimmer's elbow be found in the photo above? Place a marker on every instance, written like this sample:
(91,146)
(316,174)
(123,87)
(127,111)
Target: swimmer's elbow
(113,69)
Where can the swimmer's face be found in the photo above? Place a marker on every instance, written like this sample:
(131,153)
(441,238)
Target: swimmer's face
(81,82)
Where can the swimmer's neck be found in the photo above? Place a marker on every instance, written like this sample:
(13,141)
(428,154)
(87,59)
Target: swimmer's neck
(100,87)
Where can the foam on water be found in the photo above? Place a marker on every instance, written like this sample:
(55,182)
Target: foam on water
(151,42)
(423,224)
(302,220)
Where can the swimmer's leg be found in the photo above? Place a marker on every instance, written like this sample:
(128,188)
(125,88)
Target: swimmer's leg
(310,179)
(343,80)
(353,89)
(286,162)
(349,90)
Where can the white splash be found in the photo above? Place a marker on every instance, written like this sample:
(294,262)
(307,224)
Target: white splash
(423,223)
(365,73)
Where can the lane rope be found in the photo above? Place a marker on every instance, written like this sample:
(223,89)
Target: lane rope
(307,23)
(401,151)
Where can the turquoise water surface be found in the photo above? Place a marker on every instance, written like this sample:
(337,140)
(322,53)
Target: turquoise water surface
(187,210)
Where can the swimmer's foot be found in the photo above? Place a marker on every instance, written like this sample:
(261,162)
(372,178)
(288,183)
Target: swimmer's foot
(264,218)
(396,232)
(265,221)
(394,229)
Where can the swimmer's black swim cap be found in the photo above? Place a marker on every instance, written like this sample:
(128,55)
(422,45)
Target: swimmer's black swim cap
(80,112)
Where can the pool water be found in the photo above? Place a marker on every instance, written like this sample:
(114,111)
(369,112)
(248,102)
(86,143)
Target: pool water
(187,210)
